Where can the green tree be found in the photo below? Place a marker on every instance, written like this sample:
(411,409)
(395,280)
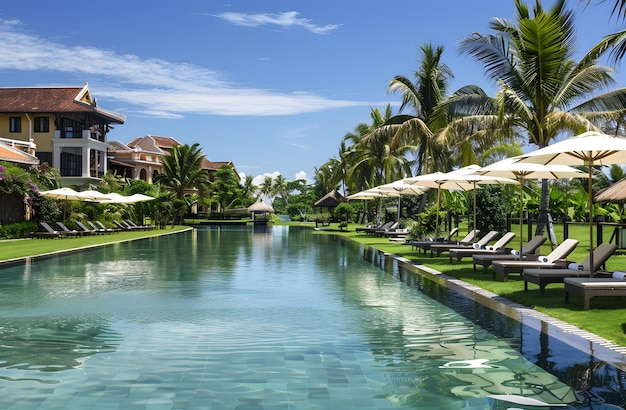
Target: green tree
(226,188)
(543,92)
(183,174)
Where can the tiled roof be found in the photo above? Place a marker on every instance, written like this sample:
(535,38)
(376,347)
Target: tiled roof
(10,154)
(161,142)
(48,100)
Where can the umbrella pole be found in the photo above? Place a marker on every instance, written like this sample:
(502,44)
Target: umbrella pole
(437,214)
(590,194)
(474,182)
(521,216)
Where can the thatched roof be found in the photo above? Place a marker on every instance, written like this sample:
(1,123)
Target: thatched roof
(259,207)
(615,193)
(331,199)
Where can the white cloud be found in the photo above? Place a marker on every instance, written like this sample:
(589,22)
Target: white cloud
(156,87)
(258,180)
(283,20)
(302,175)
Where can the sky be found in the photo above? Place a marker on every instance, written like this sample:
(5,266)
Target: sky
(272,86)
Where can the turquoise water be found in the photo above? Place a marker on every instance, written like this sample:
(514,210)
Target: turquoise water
(230,318)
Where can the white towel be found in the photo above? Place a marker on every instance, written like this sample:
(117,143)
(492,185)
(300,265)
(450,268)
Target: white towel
(490,248)
(515,252)
(543,259)
(575,266)
(619,275)
(476,246)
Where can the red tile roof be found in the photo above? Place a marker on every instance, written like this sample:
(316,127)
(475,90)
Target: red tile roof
(47,100)
(161,142)
(11,154)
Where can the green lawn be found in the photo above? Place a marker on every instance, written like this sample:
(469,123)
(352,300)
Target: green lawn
(20,248)
(607,316)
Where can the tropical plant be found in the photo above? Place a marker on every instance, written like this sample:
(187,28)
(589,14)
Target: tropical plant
(183,174)
(543,92)
(226,187)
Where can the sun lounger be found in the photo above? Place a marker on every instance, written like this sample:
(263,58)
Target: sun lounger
(594,287)
(529,250)
(85,230)
(69,232)
(425,245)
(48,232)
(438,249)
(543,277)
(390,228)
(499,247)
(140,227)
(369,227)
(123,226)
(97,229)
(373,229)
(110,230)
(556,258)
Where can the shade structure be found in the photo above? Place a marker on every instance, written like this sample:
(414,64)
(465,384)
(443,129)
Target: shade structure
(330,200)
(589,149)
(115,198)
(372,193)
(402,188)
(93,196)
(67,194)
(615,193)
(260,207)
(520,171)
(463,179)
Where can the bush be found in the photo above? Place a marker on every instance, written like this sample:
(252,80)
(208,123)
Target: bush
(425,224)
(491,209)
(18,230)
(344,212)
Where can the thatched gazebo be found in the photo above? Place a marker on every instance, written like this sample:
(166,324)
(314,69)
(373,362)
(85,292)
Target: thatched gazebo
(330,200)
(260,212)
(615,193)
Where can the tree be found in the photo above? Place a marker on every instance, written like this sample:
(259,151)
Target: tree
(183,173)
(543,92)
(226,187)
(266,188)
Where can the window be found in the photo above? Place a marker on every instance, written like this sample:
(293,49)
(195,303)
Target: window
(42,124)
(15,124)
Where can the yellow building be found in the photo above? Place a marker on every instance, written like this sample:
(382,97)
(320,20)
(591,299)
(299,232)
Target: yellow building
(64,127)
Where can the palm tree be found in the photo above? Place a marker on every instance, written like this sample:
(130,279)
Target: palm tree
(422,97)
(182,170)
(543,92)
(183,173)
(266,189)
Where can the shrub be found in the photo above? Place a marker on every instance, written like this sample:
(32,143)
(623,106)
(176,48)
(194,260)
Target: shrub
(344,212)
(425,224)
(491,209)
(18,230)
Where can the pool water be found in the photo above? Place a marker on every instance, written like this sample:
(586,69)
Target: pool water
(239,318)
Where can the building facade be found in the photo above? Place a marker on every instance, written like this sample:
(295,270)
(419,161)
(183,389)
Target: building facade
(63,125)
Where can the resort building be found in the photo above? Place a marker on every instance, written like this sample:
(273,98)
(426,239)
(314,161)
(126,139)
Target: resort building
(141,158)
(62,126)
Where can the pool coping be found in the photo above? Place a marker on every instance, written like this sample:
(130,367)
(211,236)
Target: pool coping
(572,335)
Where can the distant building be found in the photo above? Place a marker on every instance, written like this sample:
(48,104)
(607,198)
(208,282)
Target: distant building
(141,158)
(62,126)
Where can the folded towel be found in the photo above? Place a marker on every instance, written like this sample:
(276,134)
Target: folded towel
(575,266)
(619,275)
(476,246)
(490,248)
(515,252)
(543,259)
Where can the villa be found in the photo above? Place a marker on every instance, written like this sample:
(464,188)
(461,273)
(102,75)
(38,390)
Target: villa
(62,126)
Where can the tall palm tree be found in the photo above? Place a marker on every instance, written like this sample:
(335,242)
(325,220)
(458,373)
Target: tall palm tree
(422,97)
(543,91)
(182,170)
(266,189)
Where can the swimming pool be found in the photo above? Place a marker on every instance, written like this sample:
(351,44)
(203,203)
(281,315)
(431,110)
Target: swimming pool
(237,318)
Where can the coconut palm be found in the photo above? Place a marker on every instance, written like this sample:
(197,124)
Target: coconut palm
(543,91)
(182,170)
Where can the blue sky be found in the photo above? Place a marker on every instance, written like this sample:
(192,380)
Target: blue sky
(271,85)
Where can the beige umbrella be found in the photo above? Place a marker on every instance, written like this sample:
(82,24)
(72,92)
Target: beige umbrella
(66,194)
(512,168)
(464,179)
(402,188)
(115,198)
(589,149)
(93,196)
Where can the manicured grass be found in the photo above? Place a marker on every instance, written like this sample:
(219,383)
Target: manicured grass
(606,318)
(21,248)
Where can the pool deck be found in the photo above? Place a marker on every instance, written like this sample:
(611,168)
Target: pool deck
(570,334)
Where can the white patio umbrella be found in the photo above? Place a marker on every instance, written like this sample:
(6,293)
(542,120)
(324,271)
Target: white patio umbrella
(372,193)
(463,179)
(402,188)
(66,194)
(92,196)
(520,171)
(589,149)
(116,198)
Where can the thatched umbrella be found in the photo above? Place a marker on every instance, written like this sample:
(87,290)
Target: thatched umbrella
(330,200)
(615,193)
(260,207)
